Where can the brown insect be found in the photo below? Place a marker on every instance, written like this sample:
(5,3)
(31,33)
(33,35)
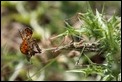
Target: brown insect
(28,44)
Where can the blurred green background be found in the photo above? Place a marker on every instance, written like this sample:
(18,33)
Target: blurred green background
(46,18)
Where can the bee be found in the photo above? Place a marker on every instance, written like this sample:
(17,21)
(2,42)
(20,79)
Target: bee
(28,43)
